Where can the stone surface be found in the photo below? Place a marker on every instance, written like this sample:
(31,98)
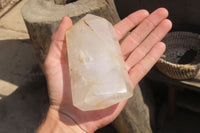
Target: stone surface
(43,16)
(7,34)
(4,3)
(98,75)
(13,20)
(8,7)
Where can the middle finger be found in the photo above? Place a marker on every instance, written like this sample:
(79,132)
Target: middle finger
(142,31)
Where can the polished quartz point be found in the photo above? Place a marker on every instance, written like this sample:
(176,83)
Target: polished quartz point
(98,74)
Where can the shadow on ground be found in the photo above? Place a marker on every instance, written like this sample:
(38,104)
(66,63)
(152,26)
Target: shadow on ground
(23,110)
(17,61)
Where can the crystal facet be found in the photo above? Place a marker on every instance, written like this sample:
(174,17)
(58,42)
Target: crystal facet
(97,71)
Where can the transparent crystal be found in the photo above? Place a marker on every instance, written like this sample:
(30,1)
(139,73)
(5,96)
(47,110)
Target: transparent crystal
(98,75)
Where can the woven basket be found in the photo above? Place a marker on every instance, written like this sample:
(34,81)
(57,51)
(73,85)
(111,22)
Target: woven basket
(181,59)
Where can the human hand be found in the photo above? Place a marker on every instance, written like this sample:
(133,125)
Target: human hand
(141,50)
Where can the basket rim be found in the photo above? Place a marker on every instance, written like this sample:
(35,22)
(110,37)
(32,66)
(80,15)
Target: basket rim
(185,66)
(174,36)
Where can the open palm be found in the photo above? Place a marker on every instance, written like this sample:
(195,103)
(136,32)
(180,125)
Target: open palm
(141,49)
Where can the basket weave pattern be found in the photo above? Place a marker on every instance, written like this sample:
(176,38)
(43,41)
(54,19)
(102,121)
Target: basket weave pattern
(178,43)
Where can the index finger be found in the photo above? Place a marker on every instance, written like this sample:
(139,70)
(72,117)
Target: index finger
(128,23)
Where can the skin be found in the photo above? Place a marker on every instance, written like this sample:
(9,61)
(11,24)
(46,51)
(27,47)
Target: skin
(141,49)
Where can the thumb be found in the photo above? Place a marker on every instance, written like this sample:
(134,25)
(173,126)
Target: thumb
(57,50)
(65,24)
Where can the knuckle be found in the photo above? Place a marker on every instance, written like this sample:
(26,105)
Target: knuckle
(149,23)
(141,51)
(130,19)
(155,37)
(134,37)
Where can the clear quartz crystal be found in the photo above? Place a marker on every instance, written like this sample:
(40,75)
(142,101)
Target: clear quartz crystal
(98,74)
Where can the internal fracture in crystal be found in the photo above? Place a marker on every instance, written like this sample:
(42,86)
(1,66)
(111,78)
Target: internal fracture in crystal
(98,75)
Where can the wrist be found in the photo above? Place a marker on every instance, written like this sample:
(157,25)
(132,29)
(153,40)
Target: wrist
(58,123)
